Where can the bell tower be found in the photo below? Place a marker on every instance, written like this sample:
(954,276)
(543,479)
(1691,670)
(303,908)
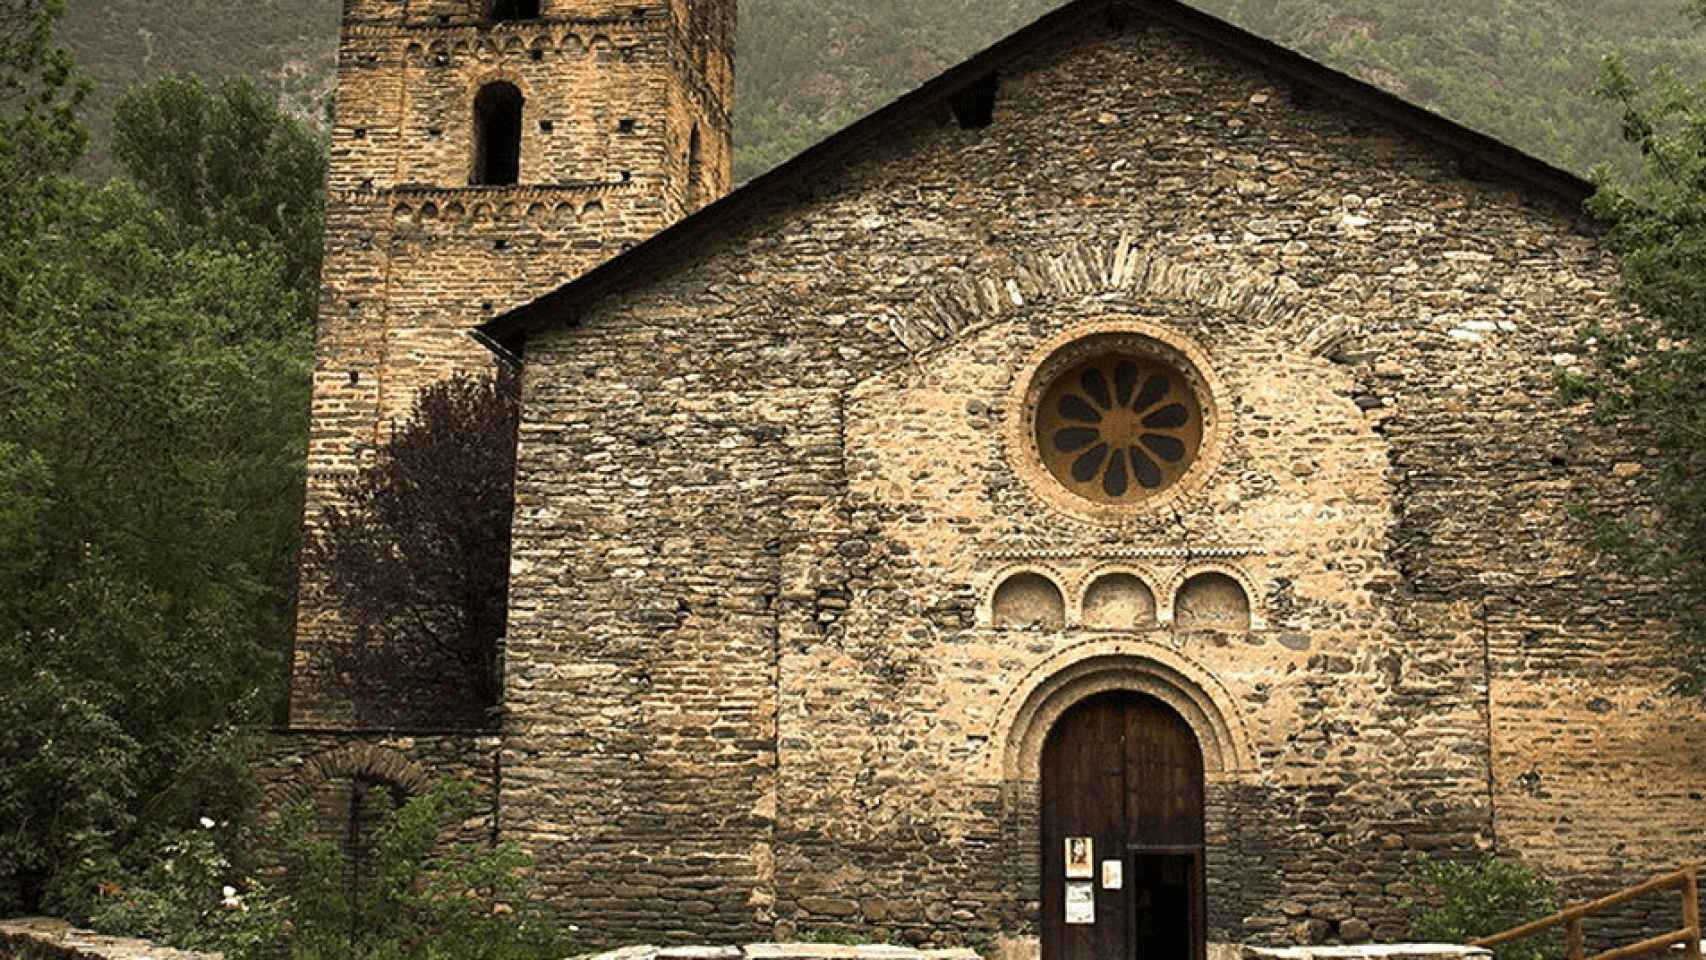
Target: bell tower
(484,152)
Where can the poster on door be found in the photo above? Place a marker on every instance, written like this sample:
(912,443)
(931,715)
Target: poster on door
(1080,903)
(1080,858)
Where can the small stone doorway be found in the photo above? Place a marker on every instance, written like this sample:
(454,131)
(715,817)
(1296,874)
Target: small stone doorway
(1122,833)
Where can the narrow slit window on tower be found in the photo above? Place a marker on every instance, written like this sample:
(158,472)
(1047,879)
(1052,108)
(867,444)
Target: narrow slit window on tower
(497,135)
(974,107)
(695,171)
(514,9)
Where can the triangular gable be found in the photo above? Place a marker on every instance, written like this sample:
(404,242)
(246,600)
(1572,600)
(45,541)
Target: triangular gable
(935,97)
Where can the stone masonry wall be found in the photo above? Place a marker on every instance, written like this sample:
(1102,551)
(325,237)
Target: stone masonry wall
(415,256)
(765,495)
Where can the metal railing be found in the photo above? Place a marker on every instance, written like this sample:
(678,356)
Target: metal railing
(1571,919)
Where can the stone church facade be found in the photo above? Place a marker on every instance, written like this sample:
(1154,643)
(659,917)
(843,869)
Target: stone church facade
(1138,435)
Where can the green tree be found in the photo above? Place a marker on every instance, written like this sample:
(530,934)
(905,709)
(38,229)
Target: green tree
(40,141)
(1649,372)
(1459,902)
(152,429)
(40,92)
(432,896)
(416,558)
(153,406)
(229,167)
(429,893)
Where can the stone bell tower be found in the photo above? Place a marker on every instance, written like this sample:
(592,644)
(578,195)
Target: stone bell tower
(484,152)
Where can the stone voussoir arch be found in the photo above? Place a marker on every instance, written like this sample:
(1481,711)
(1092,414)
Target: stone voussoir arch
(357,761)
(1102,665)
(940,317)
(500,73)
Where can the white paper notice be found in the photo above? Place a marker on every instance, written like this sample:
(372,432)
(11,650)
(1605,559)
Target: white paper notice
(1113,874)
(1080,903)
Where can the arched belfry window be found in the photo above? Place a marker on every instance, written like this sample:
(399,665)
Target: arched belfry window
(513,9)
(497,135)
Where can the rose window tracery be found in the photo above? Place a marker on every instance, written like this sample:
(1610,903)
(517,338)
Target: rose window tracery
(1119,428)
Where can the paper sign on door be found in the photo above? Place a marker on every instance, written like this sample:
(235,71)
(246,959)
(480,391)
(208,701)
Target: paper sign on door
(1080,903)
(1113,874)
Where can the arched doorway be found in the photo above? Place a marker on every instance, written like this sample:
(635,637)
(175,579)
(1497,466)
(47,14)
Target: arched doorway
(1122,833)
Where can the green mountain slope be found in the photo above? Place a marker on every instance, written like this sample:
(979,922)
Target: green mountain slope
(287,45)
(1521,70)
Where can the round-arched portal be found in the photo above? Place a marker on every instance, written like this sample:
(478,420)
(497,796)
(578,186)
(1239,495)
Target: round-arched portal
(1096,666)
(351,793)
(1122,832)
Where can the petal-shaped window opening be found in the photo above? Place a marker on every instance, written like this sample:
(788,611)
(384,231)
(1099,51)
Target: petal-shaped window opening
(1119,428)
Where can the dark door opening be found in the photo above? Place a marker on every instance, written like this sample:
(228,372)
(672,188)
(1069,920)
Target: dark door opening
(1166,892)
(1122,833)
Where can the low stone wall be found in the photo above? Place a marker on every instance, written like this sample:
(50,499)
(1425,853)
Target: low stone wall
(783,951)
(1394,951)
(42,939)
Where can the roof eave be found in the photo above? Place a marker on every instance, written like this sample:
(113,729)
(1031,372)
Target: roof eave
(504,333)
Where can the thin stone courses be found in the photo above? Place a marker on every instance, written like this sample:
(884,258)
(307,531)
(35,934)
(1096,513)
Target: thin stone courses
(760,492)
(415,256)
(763,495)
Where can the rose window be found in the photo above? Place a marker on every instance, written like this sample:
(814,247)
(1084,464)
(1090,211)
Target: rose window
(1118,428)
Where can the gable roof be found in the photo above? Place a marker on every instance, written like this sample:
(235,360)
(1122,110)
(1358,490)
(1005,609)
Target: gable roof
(505,331)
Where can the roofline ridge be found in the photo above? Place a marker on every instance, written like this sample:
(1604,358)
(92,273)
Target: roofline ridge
(501,332)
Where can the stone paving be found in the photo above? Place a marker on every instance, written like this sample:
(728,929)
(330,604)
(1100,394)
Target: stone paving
(45,939)
(1395,951)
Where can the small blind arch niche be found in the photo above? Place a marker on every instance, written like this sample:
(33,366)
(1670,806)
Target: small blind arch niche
(1119,601)
(497,135)
(501,10)
(1212,601)
(1028,599)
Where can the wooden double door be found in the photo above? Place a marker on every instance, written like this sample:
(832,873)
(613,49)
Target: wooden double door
(1122,833)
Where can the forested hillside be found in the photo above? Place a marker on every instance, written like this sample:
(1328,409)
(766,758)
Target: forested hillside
(289,47)
(1521,70)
